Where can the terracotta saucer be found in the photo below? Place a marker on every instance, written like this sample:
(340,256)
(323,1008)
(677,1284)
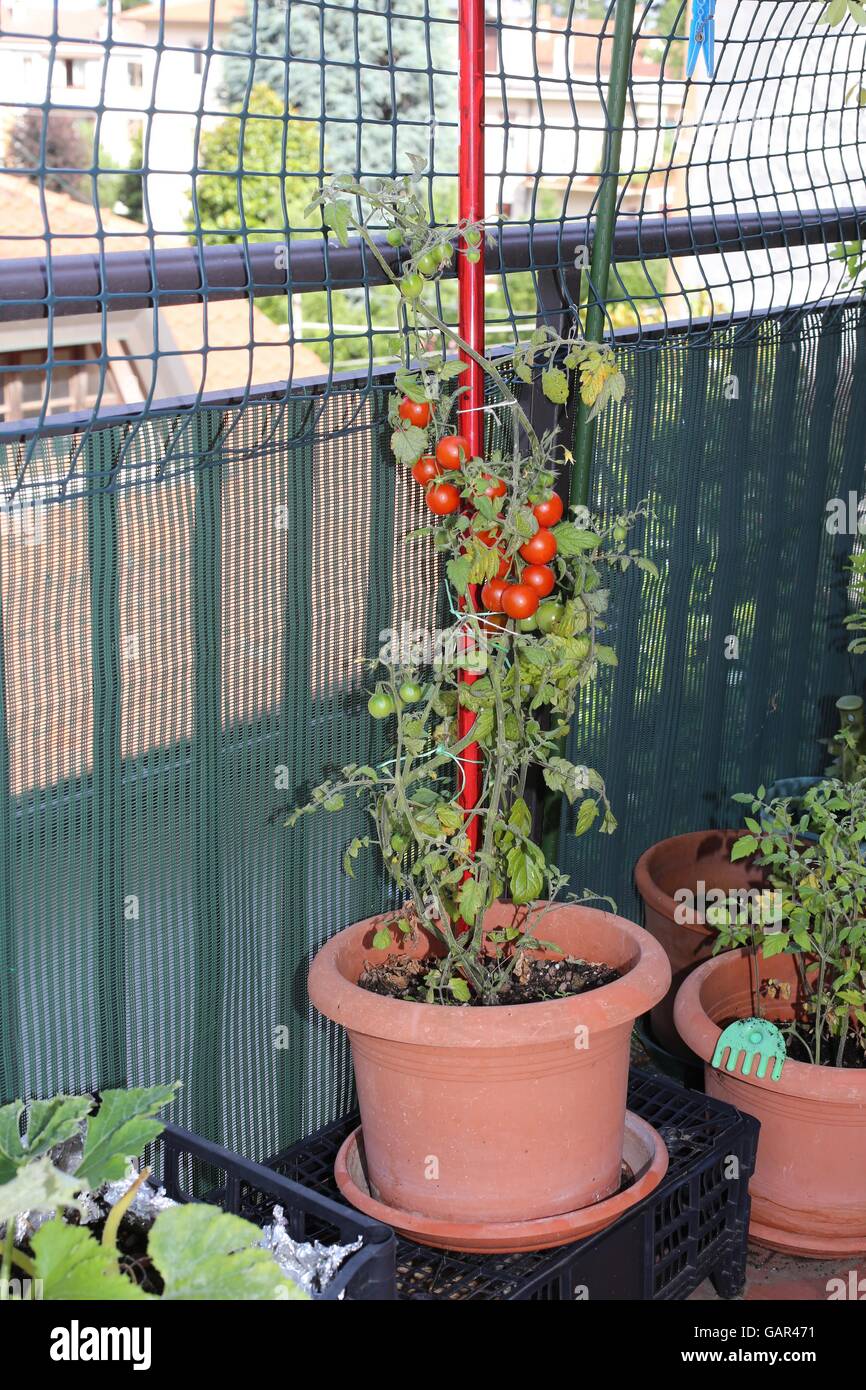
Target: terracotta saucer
(643,1152)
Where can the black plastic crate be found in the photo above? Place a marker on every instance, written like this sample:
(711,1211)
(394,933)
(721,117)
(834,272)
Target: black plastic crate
(692,1227)
(187,1166)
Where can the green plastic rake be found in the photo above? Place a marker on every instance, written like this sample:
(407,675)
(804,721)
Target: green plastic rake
(754,1038)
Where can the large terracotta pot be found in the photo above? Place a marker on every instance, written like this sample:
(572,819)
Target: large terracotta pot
(809,1186)
(683,862)
(506,1113)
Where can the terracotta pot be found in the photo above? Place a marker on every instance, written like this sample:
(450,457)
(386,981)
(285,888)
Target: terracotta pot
(684,862)
(643,1151)
(507,1113)
(809,1187)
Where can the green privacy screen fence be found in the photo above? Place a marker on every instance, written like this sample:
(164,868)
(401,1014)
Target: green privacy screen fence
(158,919)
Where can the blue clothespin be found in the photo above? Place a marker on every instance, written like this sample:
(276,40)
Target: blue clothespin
(702,36)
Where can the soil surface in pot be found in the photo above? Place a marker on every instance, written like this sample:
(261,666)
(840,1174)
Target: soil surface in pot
(533,982)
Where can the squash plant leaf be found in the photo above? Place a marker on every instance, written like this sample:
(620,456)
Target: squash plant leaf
(119,1131)
(38,1186)
(204,1253)
(72,1264)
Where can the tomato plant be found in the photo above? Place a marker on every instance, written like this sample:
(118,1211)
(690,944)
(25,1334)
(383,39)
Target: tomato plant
(538,639)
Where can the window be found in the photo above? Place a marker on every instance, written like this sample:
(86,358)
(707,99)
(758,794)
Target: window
(134,73)
(75,72)
(75,381)
(197,59)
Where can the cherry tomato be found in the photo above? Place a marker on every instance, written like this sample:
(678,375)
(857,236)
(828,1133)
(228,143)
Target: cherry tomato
(519,601)
(527,624)
(497,487)
(411,285)
(443,498)
(425,470)
(549,615)
(539,548)
(416,412)
(473,255)
(504,567)
(540,578)
(380,705)
(472,236)
(620,532)
(451,450)
(446,251)
(548,512)
(394,236)
(494,623)
(488,538)
(491,595)
(429,263)
(410,693)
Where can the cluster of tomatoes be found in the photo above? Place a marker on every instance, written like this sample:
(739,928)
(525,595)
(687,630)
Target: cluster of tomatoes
(430,262)
(521,599)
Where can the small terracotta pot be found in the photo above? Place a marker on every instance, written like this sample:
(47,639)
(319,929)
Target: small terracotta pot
(499,1114)
(684,862)
(809,1186)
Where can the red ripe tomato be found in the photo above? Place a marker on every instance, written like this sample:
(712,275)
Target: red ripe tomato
(488,538)
(425,470)
(497,487)
(491,595)
(416,412)
(519,600)
(548,512)
(443,498)
(451,450)
(539,578)
(540,548)
(504,567)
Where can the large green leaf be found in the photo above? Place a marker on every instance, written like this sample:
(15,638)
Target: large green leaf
(204,1253)
(49,1122)
(74,1266)
(37,1186)
(119,1131)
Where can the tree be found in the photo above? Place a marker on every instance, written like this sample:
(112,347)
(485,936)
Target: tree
(265,157)
(376,110)
(121,184)
(66,151)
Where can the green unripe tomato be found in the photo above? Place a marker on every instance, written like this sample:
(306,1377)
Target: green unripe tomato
(429,263)
(548,615)
(410,693)
(472,237)
(380,705)
(394,236)
(411,285)
(528,624)
(473,256)
(620,532)
(446,251)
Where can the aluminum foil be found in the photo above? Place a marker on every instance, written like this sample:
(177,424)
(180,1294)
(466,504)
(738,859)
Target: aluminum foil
(310,1264)
(145,1206)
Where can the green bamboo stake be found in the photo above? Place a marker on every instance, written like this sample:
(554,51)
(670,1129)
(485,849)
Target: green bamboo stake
(599,275)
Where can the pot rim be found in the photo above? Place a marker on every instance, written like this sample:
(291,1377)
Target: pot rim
(655,897)
(511,1025)
(803,1080)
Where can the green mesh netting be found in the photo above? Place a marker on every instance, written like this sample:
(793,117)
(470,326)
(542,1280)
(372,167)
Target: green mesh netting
(181,656)
(740,445)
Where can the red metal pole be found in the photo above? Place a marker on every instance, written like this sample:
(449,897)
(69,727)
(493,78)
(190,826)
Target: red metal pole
(470,280)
